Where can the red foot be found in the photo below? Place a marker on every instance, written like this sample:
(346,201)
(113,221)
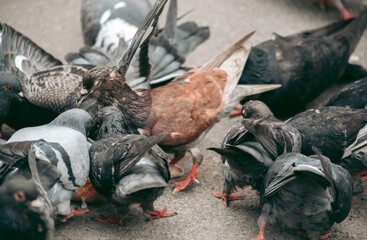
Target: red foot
(109,219)
(260,236)
(346,15)
(237,111)
(259,206)
(363,175)
(327,235)
(190,178)
(323,3)
(227,197)
(158,214)
(74,212)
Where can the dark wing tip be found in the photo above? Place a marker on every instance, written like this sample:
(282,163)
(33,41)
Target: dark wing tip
(150,20)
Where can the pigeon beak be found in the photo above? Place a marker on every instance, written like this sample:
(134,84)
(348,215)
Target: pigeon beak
(243,113)
(83,95)
(84,91)
(19,96)
(37,203)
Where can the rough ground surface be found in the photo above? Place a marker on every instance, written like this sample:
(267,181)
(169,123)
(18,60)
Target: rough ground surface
(55,26)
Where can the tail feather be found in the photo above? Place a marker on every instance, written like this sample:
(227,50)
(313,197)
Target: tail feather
(171,21)
(87,56)
(164,57)
(23,57)
(327,168)
(238,47)
(189,36)
(242,91)
(354,31)
(358,146)
(232,61)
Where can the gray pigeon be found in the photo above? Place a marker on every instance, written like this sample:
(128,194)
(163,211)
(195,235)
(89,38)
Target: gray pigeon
(109,26)
(244,162)
(305,193)
(16,92)
(26,210)
(127,168)
(21,217)
(305,63)
(276,137)
(67,149)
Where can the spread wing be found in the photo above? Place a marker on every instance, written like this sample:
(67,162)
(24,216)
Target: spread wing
(23,57)
(57,89)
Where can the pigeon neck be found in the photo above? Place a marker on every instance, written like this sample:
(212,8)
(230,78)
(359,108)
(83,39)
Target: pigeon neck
(135,105)
(115,124)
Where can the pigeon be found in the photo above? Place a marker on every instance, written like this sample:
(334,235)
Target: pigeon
(109,26)
(274,135)
(19,51)
(351,95)
(331,129)
(337,131)
(250,147)
(21,217)
(26,210)
(54,87)
(186,108)
(354,159)
(244,162)
(338,5)
(305,64)
(45,82)
(67,145)
(305,193)
(127,168)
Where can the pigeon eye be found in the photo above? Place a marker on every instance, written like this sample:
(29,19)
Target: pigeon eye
(97,83)
(19,196)
(9,88)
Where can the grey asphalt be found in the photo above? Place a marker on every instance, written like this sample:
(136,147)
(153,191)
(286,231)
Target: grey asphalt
(55,26)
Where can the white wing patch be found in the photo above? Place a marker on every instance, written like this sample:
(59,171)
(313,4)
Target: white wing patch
(119,5)
(19,62)
(110,33)
(105,16)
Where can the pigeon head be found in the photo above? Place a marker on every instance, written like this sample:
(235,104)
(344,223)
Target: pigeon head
(77,119)
(25,214)
(256,110)
(19,191)
(9,90)
(99,81)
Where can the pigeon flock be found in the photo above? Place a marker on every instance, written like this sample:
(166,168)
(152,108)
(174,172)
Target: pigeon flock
(111,122)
